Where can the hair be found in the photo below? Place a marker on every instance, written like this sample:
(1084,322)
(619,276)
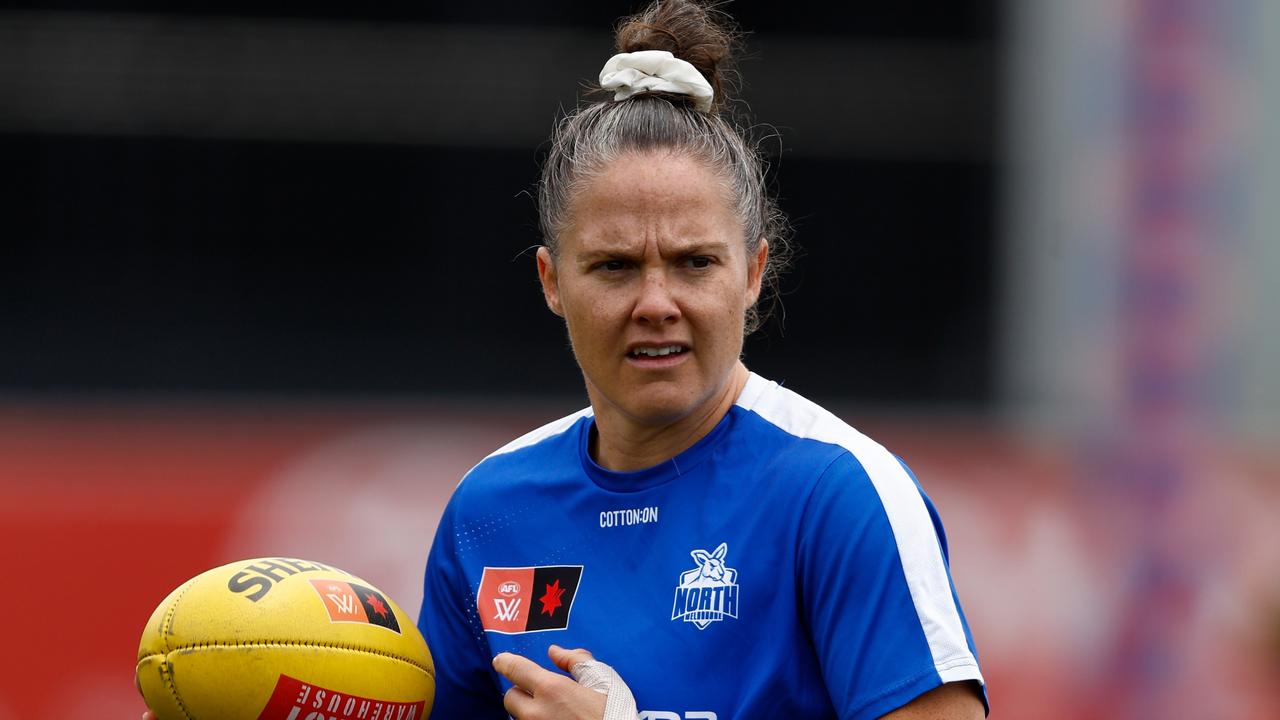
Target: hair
(590,137)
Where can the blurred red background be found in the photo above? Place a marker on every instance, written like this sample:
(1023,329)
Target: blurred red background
(104,510)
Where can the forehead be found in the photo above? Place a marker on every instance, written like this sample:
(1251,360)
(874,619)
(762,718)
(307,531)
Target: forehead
(641,195)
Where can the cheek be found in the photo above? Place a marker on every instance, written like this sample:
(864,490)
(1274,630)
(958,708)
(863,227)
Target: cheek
(590,322)
(727,300)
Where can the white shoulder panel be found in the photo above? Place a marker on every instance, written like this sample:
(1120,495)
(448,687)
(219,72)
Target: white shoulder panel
(551,429)
(918,545)
(555,427)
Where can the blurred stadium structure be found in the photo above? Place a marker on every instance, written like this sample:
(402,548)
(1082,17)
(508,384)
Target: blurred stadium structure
(263,293)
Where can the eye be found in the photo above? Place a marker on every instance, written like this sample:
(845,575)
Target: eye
(698,262)
(612,265)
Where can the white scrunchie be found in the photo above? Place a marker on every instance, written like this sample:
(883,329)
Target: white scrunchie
(655,71)
(619,703)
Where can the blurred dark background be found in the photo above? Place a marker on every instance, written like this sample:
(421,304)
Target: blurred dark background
(234,197)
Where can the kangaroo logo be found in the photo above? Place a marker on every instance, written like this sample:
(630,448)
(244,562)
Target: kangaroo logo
(709,592)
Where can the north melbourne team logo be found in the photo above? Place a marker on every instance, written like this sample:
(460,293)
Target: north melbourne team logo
(527,599)
(709,592)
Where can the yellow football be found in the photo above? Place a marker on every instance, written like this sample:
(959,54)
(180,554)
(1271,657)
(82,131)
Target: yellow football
(283,639)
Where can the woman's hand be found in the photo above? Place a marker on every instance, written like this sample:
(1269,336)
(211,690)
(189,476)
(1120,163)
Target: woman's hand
(544,695)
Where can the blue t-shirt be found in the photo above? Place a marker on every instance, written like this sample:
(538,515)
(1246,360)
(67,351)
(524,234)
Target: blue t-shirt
(785,566)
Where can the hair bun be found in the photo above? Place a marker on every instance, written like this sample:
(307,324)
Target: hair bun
(688,30)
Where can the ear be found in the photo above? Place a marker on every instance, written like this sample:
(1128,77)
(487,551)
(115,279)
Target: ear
(550,282)
(721,551)
(701,556)
(755,271)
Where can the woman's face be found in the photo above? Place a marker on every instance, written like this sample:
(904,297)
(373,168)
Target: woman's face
(653,280)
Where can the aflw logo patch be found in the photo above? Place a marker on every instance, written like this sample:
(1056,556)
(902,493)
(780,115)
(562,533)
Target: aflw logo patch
(709,592)
(527,599)
(349,602)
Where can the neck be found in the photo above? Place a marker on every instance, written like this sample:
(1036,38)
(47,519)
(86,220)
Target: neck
(624,444)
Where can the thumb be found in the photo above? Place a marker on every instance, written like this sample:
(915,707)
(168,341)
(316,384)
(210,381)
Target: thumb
(567,660)
(592,674)
(586,670)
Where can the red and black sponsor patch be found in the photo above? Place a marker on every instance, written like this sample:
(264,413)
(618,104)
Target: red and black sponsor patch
(349,602)
(294,699)
(527,599)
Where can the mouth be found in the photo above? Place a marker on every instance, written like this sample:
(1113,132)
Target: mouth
(658,351)
(658,357)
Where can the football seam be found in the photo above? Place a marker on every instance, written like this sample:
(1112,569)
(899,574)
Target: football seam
(166,670)
(167,623)
(430,671)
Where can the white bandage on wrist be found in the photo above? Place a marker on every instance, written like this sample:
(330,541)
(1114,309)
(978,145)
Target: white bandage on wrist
(619,704)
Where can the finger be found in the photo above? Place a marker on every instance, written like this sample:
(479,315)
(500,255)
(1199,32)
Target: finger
(521,671)
(567,659)
(518,703)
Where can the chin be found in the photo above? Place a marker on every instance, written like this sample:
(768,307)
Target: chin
(658,416)
(660,408)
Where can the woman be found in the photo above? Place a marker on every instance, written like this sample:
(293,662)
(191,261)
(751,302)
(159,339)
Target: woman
(731,549)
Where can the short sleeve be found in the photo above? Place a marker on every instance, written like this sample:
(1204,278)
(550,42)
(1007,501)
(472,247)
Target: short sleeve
(876,589)
(465,686)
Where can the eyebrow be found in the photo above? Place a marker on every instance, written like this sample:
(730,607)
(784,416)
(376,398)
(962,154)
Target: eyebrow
(681,249)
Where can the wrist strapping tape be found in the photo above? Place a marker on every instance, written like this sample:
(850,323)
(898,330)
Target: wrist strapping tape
(619,704)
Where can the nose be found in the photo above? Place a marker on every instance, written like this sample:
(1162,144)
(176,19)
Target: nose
(655,305)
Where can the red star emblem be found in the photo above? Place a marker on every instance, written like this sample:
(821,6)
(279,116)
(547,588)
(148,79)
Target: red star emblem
(551,598)
(376,603)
